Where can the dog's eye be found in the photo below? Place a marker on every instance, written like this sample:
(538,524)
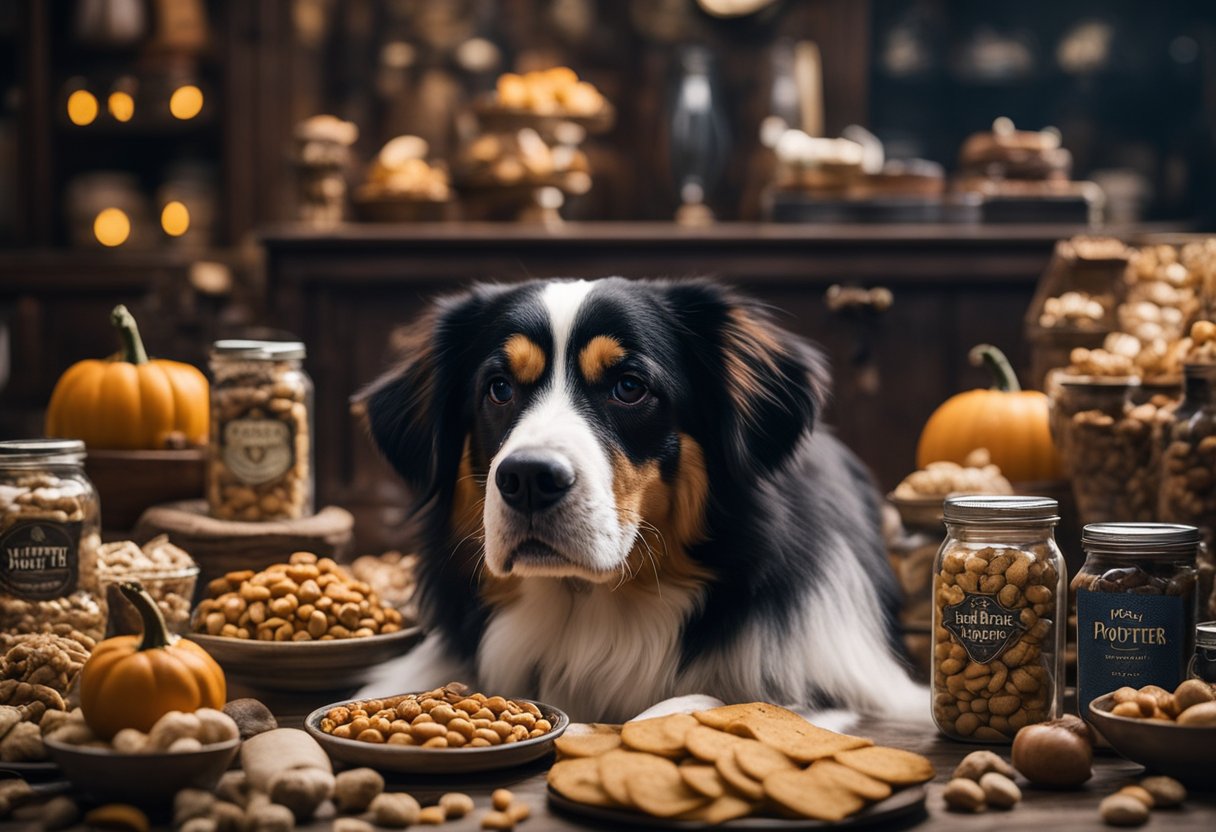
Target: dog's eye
(500,391)
(629,390)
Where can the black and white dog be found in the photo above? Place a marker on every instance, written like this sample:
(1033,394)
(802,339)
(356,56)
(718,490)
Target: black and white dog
(623,500)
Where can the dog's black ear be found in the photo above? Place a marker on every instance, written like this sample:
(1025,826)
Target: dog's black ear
(770,384)
(419,412)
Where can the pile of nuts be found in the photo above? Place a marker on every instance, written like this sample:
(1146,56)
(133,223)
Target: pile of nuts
(175,732)
(977,475)
(555,91)
(166,571)
(446,717)
(306,599)
(260,395)
(44,659)
(1192,703)
(1079,310)
(1131,804)
(28,712)
(76,616)
(401,170)
(991,700)
(982,781)
(522,158)
(391,576)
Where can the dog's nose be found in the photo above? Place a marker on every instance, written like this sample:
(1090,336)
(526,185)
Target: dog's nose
(533,480)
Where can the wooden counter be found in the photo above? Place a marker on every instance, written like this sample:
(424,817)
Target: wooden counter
(346,290)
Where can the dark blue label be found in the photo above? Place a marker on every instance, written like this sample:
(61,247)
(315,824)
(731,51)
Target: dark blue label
(1128,640)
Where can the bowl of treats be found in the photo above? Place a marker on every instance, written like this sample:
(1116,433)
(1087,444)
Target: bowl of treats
(441,731)
(1171,733)
(305,625)
(166,571)
(919,496)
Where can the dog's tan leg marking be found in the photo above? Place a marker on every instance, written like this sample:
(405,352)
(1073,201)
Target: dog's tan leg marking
(601,352)
(525,357)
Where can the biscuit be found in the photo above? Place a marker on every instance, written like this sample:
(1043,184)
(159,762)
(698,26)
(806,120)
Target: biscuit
(662,735)
(812,794)
(579,780)
(891,765)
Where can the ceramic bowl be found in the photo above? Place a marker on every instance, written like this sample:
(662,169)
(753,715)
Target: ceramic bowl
(415,760)
(306,666)
(144,780)
(1185,752)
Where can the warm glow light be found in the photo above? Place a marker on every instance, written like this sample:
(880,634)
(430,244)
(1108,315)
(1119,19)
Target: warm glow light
(82,107)
(175,219)
(111,228)
(186,102)
(122,106)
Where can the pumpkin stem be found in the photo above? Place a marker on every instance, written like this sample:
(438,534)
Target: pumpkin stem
(1003,376)
(156,634)
(132,345)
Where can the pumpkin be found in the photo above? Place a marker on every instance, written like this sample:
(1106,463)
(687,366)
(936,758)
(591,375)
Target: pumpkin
(1010,422)
(132,681)
(128,401)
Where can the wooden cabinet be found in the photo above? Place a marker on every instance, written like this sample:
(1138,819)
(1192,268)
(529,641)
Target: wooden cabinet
(345,293)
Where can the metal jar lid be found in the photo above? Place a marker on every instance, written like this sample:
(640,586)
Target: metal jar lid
(258,350)
(1141,539)
(25,449)
(1205,634)
(996,509)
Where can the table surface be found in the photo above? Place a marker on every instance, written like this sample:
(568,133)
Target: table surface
(1040,808)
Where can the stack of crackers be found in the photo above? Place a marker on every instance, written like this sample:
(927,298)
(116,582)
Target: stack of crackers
(730,762)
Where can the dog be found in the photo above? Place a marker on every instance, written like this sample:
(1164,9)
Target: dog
(624,497)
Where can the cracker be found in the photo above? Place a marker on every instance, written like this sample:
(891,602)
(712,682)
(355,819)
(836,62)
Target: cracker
(579,780)
(616,766)
(709,744)
(757,760)
(663,735)
(587,745)
(862,785)
(727,807)
(792,735)
(660,790)
(810,794)
(721,717)
(704,779)
(748,787)
(891,765)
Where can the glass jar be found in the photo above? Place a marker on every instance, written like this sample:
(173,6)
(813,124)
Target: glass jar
(1188,454)
(49,534)
(260,464)
(1108,446)
(1136,605)
(998,609)
(1203,663)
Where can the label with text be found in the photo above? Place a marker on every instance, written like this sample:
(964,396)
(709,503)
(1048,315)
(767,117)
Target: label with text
(983,626)
(39,559)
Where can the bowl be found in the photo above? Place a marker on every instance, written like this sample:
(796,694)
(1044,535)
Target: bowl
(171,589)
(415,760)
(306,666)
(918,512)
(1185,752)
(145,780)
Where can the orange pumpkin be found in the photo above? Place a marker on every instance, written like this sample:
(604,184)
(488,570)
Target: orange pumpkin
(1010,422)
(132,681)
(129,402)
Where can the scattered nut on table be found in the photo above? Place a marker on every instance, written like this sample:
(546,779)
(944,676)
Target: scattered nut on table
(1166,791)
(962,795)
(1122,810)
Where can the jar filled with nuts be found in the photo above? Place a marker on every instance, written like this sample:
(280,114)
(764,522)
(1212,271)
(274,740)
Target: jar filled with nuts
(1108,445)
(49,534)
(1136,607)
(1188,454)
(998,605)
(260,465)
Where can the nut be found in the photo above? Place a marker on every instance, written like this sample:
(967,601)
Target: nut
(999,791)
(1139,793)
(395,810)
(1122,810)
(1166,791)
(456,804)
(963,795)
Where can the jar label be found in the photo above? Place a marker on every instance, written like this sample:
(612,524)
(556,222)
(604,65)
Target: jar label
(985,627)
(40,559)
(1125,639)
(257,450)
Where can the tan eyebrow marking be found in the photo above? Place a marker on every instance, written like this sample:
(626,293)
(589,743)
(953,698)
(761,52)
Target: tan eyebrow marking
(525,357)
(601,352)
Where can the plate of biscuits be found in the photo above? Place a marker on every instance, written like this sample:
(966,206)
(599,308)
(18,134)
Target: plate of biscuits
(748,766)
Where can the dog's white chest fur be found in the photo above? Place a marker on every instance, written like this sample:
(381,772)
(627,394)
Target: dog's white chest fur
(609,654)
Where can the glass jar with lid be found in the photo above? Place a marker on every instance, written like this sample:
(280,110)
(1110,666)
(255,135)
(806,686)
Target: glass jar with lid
(49,534)
(261,459)
(1203,663)
(1136,605)
(998,617)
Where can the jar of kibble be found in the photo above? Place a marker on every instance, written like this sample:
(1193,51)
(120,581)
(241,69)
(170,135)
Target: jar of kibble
(1136,605)
(1188,454)
(49,534)
(260,465)
(998,608)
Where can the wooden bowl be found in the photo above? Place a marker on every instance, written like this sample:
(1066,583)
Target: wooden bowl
(128,482)
(1185,752)
(146,780)
(415,760)
(306,666)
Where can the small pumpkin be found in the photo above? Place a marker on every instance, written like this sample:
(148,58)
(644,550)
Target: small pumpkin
(128,401)
(1010,422)
(132,681)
